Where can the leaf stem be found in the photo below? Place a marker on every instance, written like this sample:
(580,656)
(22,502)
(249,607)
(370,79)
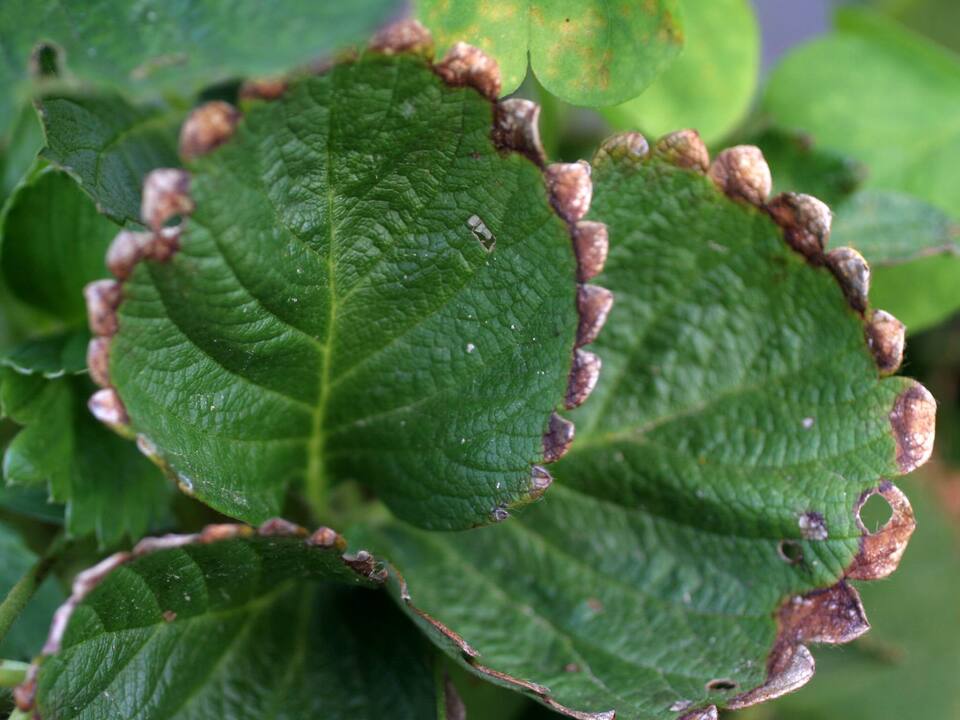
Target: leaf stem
(20,594)
(12,673)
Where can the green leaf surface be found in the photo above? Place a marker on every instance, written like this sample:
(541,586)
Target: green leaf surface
(28,631)
(367,289)
(54,243)
(587,52)
(109,488)
(20,152)
(108,145)
(882,94)
(237,628)
(711,85)
(738,397)
(149,49)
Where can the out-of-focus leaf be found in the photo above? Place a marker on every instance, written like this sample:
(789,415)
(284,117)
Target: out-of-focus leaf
(28,631)
(368,288)
(31,502)
(587,52)
(26,139)
(53,243)
(711,85)
(249,627)
(51,356)
(108,145)
(147,49)
(716,473)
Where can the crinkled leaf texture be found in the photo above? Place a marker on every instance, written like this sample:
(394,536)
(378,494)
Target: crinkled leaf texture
(150,49)
(367,288)
(232,624)
(717,472)
(587,53)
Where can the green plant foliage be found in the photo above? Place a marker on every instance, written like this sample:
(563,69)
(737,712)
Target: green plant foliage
(26,139)
(108,145)
(244,627)
(587,53)
(711,85)
(27,633)
(335,312)
(732,370)
(53,243)
(148,49)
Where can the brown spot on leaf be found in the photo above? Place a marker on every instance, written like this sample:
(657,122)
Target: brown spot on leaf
(516,127)
(404,36)
(853,274)
(812,526)
(570,189)
(98,360)
(880,551)
(468,66)
(166,194)
(364,564)
(103,298)
(707,713)
(742,174)
(886,337)
(805,221)
(684,148)
(263,89)
(207,127)
(279,527)
(169,616)
(591,243)
(913,420)
(557,438)
(540,480)
(593,304)
(327,538)
(583,377)
(106,406)
(625,145)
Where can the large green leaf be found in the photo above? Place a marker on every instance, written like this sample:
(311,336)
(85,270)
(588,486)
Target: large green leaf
(711,85)
(367,288)
(153,48)
(108,145)
(701,528)
(26,140)
(231,624)
(26,635)
(587,53)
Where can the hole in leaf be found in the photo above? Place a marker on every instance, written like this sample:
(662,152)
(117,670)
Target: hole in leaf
(720,684)
(45,61)
(875,513)
(790,551)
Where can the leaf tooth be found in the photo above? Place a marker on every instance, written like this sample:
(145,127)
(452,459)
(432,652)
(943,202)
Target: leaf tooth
(499,514)
(207,127)
(98,360)
(403,36)
(517,127)
(327,538)
(166,194)
(107,407)
(707,713)
(805,221)
(592,244)
(540,480)
(853,273)
(886,337)
(571,189)
(280,527)
(583,377)
(465,65)
(593,304)
(364,564)
(126,250)
(913,421)
(742,173)
(263,89)
(880,551)
(224,531)
(624,145)
(685,149)
(103,298)
(557,438)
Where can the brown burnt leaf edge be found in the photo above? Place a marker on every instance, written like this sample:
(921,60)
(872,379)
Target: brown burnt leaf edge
(166,198)
(831,615)
(323,539)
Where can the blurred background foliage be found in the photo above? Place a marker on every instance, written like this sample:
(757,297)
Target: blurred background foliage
(855,102)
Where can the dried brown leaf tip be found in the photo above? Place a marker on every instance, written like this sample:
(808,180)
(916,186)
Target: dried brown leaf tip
(913,421)
(805,221)
(405,36)
(583,377)
(886,337)
(684,148)
(594,304)
(166,194)
(103,298)
(571,189)
(834,615)
(880,551)
(557,438)
(263,89)
(853,274)
(627,145)
(467,66)
(742,173)
(592,244)
(128,248)
(517,127)
(98,360)
(540,480)
(207,127)
(707,713)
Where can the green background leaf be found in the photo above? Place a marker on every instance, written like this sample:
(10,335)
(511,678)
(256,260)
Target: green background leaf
(711,85)
(738,395)
(242,628)
(332,313)
(587,53)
